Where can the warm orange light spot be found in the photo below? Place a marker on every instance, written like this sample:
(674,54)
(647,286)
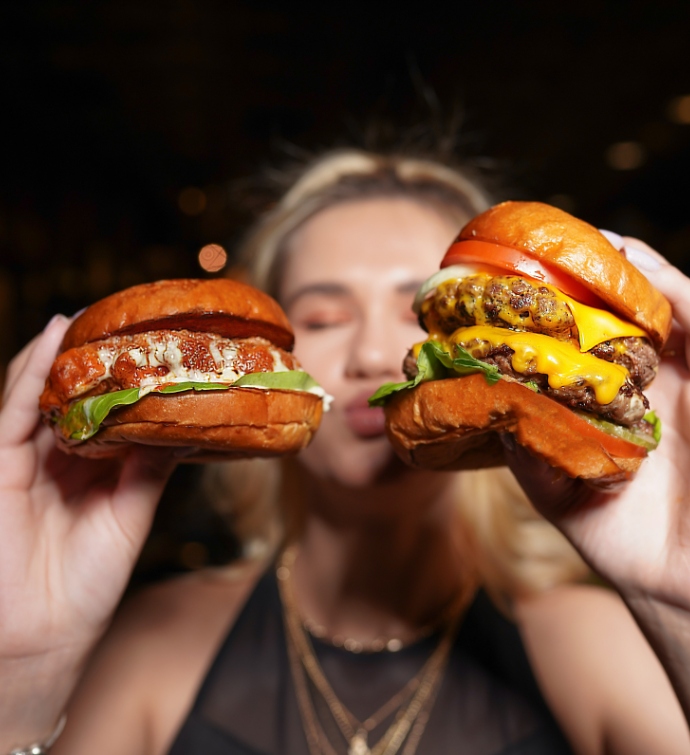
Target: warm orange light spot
(191,201)
(679,109)
(625,155)
(212,257)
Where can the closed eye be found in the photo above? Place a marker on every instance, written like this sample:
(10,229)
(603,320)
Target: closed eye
(321,324)
(320,308)
(321,320)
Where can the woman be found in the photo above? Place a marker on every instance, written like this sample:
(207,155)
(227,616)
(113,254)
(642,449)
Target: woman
(380,558)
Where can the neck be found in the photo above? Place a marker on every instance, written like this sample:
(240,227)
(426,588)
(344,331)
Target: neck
(382,562)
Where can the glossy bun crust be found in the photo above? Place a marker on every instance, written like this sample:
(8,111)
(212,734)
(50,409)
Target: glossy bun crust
(213,425)
(454,424)
(577,248)
(225,307)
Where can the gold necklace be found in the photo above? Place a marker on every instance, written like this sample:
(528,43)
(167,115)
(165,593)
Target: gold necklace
(354,732)
(413,701)
(390,643)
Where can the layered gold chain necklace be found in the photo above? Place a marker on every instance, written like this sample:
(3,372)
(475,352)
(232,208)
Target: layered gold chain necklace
(411,705)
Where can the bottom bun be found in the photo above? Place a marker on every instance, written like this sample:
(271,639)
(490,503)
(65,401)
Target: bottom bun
(210,425)
(455,424)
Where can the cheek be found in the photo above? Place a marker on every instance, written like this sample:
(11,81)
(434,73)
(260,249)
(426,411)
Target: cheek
(322,353)
(409,332)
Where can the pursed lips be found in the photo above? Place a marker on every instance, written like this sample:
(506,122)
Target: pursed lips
(363,420)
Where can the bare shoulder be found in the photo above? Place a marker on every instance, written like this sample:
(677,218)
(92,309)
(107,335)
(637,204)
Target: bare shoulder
(196,604)
(145,673)
(598,673)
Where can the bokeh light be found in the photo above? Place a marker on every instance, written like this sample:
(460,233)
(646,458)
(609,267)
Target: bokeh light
(679,109)
(212,258)
(191,201)
(625,155)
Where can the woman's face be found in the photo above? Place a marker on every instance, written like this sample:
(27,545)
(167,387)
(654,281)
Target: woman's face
(350,276)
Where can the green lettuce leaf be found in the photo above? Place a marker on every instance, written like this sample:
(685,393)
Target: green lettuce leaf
(435,363)
(84,418)
(652,418)
(191,385)
(291,380)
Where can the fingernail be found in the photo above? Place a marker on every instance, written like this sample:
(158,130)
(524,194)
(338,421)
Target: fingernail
(614,238)
(53,320)
(81,311)
(640,258)
(508,442)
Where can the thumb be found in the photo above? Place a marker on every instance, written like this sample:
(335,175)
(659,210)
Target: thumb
(144,475)
(551,491)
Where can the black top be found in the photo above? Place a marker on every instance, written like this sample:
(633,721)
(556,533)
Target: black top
(488,704)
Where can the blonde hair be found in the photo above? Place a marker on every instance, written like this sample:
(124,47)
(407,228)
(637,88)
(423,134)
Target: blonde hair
(516,550)
(351,174)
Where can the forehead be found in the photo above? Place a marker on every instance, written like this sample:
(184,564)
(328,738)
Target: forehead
(396,239)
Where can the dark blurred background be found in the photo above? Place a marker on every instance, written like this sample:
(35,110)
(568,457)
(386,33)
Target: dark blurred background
(127,124)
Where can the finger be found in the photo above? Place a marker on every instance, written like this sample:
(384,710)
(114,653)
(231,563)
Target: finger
(676,344)
(19,362)
(143,477)
(17,365)
(648,261)
(613,238)
(20,413)
(642,255)
(551,491)
(668,279)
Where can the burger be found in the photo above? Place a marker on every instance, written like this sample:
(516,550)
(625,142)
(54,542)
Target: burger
(538,327)
(204,366)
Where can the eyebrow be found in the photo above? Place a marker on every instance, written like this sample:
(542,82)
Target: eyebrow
(337,289)
(409,288)
(328,289)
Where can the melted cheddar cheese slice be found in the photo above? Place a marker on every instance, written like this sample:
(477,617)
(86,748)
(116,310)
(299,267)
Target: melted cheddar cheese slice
(594,326)
(561,361)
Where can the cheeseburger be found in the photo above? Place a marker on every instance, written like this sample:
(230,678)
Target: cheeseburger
(201,365)
(537,327)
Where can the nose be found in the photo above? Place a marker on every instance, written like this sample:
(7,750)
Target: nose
(376,350)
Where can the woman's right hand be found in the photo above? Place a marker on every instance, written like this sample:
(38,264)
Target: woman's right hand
(71,531)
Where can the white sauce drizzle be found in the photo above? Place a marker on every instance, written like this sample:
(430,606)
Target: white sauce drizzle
(167,353)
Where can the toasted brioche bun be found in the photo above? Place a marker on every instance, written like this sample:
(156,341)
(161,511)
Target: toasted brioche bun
(578,249)
(225,307)
(454,424)
(201,425)
(232,424)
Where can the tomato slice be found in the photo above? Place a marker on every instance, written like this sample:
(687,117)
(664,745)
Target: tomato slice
(619,447)
(519,262)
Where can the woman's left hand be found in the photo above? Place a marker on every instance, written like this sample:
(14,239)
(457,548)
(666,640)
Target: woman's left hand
(638,537)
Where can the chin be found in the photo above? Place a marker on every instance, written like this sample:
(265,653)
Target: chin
(353,463)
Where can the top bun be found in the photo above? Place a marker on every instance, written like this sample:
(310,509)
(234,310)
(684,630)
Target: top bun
(221,306)
(577,248)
